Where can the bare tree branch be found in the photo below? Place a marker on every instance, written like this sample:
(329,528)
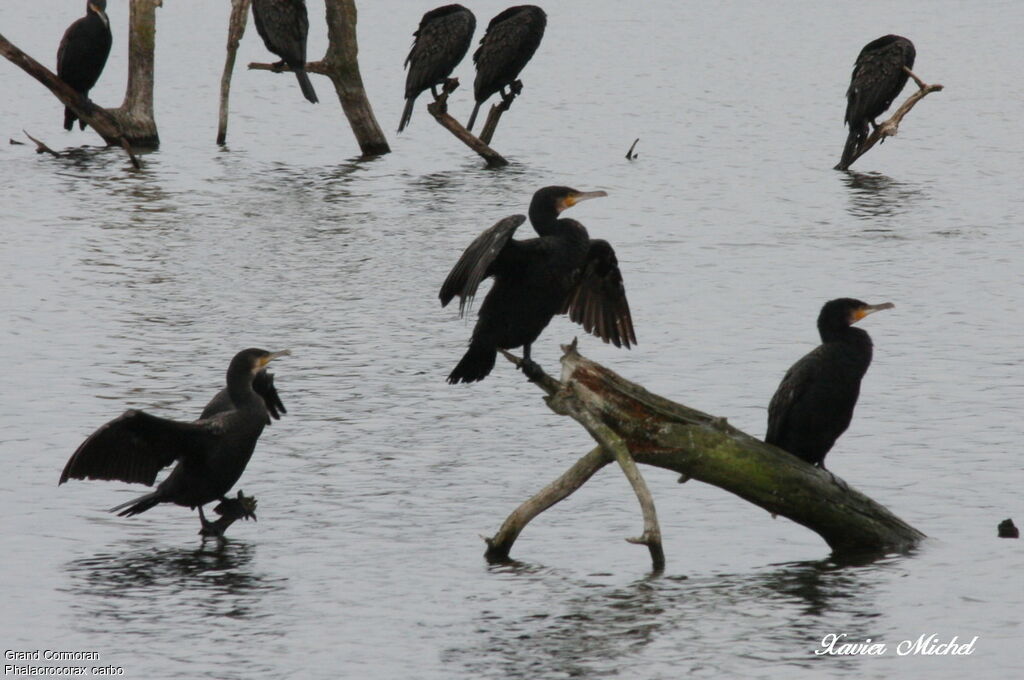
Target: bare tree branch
(891,126)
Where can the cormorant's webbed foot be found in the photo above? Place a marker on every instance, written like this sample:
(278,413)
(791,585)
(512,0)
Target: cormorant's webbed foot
(516,88)
(277,66)
(240,507)
(208,528)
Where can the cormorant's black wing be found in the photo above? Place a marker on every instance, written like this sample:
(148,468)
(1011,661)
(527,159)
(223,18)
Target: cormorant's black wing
(789,393)
(283,25)
(442,40)
(598,302)
(479,260)
(136,446)
(508,44)
(878,77)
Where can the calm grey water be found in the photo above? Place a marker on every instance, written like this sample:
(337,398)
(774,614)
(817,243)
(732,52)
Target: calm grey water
(133,289)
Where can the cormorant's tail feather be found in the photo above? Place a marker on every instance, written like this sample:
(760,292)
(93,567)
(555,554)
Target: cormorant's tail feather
(475,365)
(853,141)
(307,87)
(69,118)
(407,113)
(140,504)
(472,117)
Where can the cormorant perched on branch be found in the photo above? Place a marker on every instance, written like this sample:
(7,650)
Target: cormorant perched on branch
(510,41)
(563,271)
(212,452)
(814,403)
(878,78)
(83,53)
(283,25)
(441,42)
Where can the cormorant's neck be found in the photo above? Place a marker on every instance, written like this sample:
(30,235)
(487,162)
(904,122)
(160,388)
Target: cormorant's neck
(240,387)
(846,334)
(544,218)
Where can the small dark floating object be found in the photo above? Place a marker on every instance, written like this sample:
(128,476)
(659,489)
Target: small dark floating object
(284,25)
(441,41)
(878,78)
(508,44)
(1007,529)
(814,403)
(211,452)
(83,53)
(563,271)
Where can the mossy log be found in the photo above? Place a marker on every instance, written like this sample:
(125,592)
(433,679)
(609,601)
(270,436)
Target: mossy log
(132,124)
(341,65)
(624,417)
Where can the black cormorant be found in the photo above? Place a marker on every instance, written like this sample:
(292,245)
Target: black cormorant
(441,42)
(83,53)
(508,44)
(878,78)
(815,400)
(211,452)
(562,271)
(283,25)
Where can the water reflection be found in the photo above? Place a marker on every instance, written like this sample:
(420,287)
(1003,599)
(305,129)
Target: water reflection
(780,612)
(873,195)
(209,582)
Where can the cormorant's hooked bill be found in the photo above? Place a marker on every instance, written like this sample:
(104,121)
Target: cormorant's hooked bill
(211,452)
(814,403)
(563,271)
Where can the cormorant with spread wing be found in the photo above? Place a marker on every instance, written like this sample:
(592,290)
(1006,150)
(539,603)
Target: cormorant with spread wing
(508,44)
(211,452)
(814,403)
(441,42)
(562,271)
(284,25)
(83,53)
(878,78)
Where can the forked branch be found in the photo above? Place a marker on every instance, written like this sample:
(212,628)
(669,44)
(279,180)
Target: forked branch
(890,127)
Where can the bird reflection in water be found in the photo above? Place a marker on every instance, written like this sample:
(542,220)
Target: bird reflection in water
(782,610)
(873,195)
(214,580)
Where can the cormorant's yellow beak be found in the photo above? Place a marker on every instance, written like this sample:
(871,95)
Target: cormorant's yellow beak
(859,314)
(574,198)
(273,355)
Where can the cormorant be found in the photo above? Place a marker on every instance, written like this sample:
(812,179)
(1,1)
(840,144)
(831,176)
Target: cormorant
(83,53)
(283,25)
(815,400)
(878,78)
(562,271)
(508,44)
(212,452)
(441,42)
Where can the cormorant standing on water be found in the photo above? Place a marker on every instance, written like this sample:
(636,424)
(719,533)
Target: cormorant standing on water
(878,78)
(211,452)
(508,44)
(441,42)
(83,53)
(283,25)
(562,271)
(814,403)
